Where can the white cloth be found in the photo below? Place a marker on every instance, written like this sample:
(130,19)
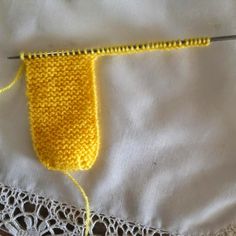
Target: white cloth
(168,119)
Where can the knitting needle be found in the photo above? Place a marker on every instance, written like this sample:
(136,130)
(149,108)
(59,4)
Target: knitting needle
(213,39)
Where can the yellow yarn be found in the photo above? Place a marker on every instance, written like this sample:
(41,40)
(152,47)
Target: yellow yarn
(153,46)
(87,206)
(11,84)
(63,110)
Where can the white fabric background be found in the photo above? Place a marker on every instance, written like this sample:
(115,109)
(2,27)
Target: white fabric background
(168,119)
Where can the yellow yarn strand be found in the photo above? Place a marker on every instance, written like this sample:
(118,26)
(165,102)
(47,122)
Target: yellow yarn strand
(11,84)
(86,200)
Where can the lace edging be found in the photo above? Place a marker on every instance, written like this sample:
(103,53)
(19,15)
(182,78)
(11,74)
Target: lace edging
(27,214)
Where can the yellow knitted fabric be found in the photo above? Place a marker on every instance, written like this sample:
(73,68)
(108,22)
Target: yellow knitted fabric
(63,110)
(63,104)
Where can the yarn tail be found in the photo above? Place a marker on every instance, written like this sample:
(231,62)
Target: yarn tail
(86,200)
(17,77)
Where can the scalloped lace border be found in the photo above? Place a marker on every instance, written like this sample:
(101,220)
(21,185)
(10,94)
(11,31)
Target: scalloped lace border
(26,214)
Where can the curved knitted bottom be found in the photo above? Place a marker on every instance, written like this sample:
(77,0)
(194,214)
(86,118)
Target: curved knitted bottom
(63,110)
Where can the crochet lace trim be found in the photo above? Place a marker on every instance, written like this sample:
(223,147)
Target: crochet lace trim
(27,214)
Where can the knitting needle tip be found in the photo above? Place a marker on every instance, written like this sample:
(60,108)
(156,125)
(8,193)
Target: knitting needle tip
(13,57)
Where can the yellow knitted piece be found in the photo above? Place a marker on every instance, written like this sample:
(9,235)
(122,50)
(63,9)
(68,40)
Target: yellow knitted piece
(63,104)
(63,111)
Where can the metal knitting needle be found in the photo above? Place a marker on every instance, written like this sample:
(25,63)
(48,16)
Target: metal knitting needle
(85,51)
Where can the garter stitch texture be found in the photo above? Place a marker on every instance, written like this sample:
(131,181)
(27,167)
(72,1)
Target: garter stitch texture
(63,111)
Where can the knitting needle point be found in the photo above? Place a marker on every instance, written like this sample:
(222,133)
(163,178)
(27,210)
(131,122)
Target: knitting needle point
(223,38)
